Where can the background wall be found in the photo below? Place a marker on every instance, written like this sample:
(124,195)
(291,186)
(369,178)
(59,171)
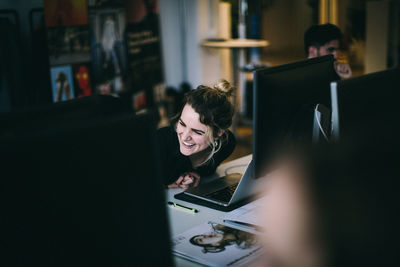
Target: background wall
(172,41)
(284,23)
(22,66)
(23,7)
(184,25)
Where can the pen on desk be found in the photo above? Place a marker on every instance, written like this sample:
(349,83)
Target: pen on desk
(181,207)
(250,225)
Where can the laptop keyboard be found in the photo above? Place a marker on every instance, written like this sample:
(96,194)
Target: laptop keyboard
(225,194)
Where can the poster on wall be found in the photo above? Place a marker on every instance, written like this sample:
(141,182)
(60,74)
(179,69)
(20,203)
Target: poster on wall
(82,81)
(115,44)
(68,42)
(62,13)
(144,47)
(109,60)
(68,45)
(62,83)
(67,31)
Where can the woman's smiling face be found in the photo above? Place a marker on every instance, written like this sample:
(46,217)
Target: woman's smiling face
(192,134)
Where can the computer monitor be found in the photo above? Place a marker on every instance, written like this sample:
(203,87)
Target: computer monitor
(365,105)
(285,105)
(84,195)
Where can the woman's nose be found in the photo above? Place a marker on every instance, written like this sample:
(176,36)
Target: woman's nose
(186,134)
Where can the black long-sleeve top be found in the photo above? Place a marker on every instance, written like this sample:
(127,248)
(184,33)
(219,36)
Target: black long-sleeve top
(174,163)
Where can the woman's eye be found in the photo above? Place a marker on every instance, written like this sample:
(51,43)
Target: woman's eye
(198,133)
(181,123)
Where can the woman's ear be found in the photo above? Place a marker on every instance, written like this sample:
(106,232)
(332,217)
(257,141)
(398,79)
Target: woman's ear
(219,134)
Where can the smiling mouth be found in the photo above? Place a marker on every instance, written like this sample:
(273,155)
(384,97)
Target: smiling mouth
(187,145)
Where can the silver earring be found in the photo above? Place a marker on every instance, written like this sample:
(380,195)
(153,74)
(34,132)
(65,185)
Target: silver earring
(215,142)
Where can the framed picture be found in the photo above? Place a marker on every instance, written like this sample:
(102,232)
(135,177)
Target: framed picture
(62,83)
(68,45)
(109,59)
(82,79)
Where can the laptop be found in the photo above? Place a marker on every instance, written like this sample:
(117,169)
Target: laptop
(225,191)
(233,188)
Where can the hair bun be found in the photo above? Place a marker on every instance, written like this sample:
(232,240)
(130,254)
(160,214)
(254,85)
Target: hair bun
(225,87)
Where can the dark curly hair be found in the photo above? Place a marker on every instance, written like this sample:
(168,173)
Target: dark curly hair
(209,248)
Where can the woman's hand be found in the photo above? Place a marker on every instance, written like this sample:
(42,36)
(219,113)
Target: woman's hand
(186,180)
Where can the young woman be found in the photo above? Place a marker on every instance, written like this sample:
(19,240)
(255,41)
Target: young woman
(198,139)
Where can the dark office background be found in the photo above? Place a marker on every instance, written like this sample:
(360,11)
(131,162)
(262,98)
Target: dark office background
(24,64)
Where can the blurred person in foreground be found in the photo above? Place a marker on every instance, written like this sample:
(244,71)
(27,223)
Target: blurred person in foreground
(332,206)
(325,39)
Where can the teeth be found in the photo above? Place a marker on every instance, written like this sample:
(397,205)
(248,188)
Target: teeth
(188,144)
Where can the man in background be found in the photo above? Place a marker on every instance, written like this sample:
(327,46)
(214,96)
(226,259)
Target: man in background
(325,39)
